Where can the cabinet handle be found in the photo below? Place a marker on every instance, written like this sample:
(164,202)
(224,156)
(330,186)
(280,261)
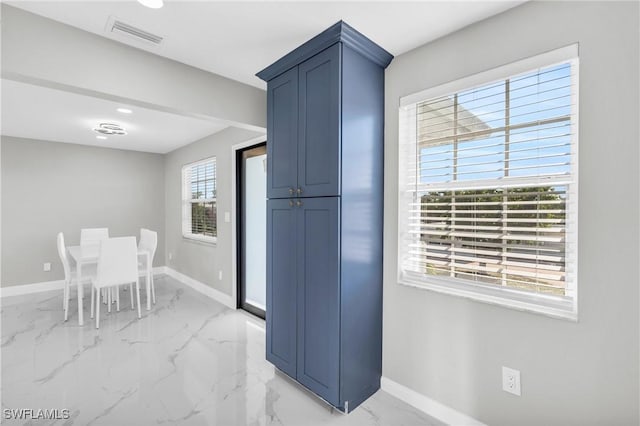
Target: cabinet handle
(290,203)
(299,203)
(290,191)
(299,191)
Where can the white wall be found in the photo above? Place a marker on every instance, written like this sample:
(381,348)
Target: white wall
(51,187)
(452,349)
(202,261)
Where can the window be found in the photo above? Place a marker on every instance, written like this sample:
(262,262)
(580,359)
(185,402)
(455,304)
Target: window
(488,186)
(199,211)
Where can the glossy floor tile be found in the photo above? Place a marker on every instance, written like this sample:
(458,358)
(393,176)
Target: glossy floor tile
(188,361)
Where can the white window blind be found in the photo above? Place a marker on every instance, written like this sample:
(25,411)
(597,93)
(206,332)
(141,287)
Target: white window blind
(199,200)
(488,179)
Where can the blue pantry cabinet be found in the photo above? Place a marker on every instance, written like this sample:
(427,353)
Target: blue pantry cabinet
(325,148)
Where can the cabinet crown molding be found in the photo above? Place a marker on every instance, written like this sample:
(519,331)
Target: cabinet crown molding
(338,32)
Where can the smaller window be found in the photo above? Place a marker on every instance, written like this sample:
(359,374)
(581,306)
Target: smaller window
(199,210)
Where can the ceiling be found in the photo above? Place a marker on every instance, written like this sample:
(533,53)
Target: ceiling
(234,39)
(38,112)
(237,39)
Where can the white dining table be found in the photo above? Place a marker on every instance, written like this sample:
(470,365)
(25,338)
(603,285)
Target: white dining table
(87,255)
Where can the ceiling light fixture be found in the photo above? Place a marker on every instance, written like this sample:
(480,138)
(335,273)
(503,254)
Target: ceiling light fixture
(153,4)
(101,137)
(110,129)
(124,110)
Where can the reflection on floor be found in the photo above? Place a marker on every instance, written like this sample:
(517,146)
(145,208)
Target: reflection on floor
(188,361)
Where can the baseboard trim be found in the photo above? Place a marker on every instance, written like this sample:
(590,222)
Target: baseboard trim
(19,290)
(430,406)
(201,287)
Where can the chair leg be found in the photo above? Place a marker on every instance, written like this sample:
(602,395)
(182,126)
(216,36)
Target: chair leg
(98,309)
(131,294)
(117,290)
(138,297)
(65,302)
(108,300)
(153,290)
(93,296)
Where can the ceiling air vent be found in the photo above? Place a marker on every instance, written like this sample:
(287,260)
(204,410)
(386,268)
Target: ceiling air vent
(122,28)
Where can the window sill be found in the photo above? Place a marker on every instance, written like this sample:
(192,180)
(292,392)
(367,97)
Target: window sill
(201,239)
(555,307)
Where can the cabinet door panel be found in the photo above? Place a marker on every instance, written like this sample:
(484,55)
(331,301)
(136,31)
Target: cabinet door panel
(319,296)
(281,285)
(319,131)
(282,134)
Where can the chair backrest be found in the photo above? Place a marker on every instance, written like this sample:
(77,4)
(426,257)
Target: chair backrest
(148,242)
(90,236)
(62,252)
(117,261)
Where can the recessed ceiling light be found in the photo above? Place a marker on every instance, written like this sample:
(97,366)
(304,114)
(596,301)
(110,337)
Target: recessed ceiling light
(101,137)
(110,129)
(153,4)
(124,110)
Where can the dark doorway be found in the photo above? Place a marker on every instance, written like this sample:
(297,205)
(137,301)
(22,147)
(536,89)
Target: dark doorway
(252,228)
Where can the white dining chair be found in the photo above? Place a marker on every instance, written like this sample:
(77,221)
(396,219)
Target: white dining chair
(93,235)
(70,277)
(117,265)
(149,243)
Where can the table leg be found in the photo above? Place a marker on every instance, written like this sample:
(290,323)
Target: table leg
(80,290)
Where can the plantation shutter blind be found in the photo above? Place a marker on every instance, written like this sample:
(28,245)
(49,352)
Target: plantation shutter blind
(488,184)
(199,199)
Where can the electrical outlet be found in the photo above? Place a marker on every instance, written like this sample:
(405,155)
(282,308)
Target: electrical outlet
(170,256)
(220,275)
(46,267)
(511,380)
(227,217)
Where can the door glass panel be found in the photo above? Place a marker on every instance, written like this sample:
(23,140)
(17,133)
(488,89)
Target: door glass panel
(255,236)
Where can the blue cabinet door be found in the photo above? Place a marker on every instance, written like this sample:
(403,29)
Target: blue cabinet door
(282,135)
(318,274)
(281,312)
(319,125)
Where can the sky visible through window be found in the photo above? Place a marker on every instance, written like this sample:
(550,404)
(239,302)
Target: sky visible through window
(203,181)
(537,141)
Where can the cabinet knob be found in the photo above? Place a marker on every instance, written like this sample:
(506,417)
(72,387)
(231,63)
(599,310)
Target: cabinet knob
(299,203)
(299,191)
(290,203)
(291,191)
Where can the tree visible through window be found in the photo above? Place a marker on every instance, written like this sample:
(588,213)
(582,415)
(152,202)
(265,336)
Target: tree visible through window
(489,239)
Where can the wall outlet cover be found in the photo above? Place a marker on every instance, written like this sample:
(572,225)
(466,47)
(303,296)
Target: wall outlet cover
(511,381)
(46,267)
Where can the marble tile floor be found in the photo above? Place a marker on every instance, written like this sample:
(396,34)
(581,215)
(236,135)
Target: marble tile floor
(188,361)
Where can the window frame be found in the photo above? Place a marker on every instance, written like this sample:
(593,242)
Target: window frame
(564,307)
(187,202)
